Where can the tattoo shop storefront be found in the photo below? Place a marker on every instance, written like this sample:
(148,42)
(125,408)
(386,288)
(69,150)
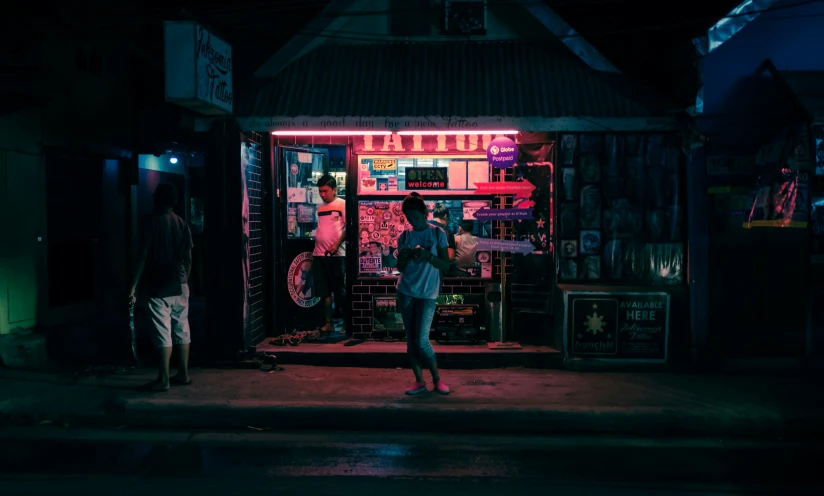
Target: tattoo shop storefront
(500,213)
(577,240)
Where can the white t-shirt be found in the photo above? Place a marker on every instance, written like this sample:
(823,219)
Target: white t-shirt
(331,226)
(465,254)
(421,279)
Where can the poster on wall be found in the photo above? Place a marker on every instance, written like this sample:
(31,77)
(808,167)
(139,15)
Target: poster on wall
(299,281)
(621,326)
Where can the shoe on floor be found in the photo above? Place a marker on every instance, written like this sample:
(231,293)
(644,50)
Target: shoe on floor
(441,388)
(417,388)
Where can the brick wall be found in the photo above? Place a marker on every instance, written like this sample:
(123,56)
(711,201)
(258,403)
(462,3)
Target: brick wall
(362,290)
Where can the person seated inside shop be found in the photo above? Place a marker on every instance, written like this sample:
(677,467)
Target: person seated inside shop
(440,218)
(465,246)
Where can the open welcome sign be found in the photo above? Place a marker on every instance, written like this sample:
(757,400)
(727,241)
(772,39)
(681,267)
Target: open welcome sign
(427,178)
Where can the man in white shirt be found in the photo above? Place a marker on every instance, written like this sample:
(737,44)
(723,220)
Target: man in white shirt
(328,269)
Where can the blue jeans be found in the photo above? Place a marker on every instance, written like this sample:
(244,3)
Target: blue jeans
(417,314)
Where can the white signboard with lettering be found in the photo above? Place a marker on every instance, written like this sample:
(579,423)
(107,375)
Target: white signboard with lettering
(198,69)
(430,123)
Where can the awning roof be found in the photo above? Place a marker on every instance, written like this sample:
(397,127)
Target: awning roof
(511,79)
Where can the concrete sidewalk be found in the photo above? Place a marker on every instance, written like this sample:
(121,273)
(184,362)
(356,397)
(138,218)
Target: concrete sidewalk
(509,400)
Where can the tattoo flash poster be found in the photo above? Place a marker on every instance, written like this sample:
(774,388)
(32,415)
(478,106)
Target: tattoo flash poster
(380,224)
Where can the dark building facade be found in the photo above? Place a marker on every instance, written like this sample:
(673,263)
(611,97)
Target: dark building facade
(754,259)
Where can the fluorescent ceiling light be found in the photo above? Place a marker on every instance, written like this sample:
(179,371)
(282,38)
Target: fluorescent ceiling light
(455,133)
(331,133)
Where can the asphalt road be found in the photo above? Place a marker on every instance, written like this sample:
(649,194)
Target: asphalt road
(56,460)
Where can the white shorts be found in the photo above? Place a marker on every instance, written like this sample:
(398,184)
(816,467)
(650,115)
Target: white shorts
(170,317)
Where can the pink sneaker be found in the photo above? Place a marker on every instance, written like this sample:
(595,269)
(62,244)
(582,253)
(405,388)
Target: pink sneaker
(417,388)
(441,388)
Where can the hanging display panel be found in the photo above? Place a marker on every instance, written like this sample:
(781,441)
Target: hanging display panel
(620,209)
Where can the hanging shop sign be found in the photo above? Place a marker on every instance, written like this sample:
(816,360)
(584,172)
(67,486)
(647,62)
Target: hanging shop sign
(470,207)
(400,144)
(198,68)
(427,178)
(621,326)
(522,247)
(504,214)
(299,281)
(502,152)
(521,189)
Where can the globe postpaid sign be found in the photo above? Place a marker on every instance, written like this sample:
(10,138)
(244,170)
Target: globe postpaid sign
(502,153)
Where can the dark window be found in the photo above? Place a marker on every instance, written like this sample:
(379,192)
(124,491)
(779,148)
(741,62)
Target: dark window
(74,197)
(465,17)
(96,63)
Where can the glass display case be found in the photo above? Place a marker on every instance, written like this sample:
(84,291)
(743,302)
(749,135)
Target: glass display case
(380,224)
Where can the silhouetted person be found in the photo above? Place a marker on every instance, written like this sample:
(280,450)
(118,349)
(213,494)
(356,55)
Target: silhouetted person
(164,263)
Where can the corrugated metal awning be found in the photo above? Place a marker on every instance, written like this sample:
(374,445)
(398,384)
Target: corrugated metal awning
(470,79)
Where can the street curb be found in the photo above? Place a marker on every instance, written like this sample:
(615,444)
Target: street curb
(486,418)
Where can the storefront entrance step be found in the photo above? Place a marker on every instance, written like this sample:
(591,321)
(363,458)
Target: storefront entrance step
(377,354)
(492,400)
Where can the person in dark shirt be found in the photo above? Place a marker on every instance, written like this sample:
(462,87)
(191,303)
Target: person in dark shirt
(163,266)
(440,218)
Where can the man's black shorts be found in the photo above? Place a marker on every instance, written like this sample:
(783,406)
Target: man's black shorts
(328,277)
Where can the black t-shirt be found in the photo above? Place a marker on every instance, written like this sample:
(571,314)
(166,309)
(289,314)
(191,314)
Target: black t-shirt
(167,238)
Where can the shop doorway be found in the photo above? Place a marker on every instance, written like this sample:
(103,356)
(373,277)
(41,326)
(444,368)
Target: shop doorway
(297,307)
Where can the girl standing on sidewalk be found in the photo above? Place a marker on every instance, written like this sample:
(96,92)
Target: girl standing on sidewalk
(422,258)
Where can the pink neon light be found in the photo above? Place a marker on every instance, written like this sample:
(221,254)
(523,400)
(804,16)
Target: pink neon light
(455,133)
(331,133)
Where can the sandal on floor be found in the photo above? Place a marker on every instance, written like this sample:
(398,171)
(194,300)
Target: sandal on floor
(177,381)
(154,387)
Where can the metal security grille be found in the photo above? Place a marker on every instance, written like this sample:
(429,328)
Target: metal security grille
(254,186)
